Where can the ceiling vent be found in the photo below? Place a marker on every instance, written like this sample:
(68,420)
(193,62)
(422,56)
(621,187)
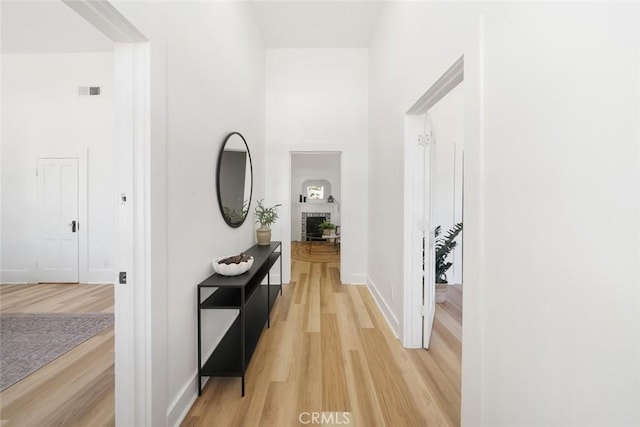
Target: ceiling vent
(89,91)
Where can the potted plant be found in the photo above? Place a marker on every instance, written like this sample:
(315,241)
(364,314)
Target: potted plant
(326,227)
(265,216)
(444,246)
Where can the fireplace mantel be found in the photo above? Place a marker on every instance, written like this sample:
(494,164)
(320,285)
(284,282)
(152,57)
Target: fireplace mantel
(317,207)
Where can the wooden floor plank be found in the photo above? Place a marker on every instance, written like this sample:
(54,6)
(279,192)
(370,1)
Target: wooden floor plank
(366,408)
(310,379)
(335,396)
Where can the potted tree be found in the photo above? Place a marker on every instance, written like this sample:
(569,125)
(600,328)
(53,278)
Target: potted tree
(265,217)
(444,246)
(326,227)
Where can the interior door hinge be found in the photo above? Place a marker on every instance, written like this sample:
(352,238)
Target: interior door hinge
(424,139)
(423,310)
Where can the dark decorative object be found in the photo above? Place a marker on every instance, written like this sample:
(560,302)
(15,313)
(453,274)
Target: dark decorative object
(331,199)
(253,303)
(444,246)
(235,259)
(234,179)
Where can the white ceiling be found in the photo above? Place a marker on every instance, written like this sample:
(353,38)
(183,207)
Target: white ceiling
(51,26)
(316,24)
(47,27)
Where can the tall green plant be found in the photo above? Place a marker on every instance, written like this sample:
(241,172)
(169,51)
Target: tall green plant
(266,216)
(444,246)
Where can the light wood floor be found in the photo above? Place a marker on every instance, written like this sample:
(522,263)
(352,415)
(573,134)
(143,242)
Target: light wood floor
(322,252)
(330,350)
(76,389)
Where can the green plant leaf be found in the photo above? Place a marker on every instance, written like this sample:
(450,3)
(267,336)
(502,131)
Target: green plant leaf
(443,247)
(266,216)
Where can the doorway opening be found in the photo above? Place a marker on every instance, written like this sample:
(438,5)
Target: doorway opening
(128,153)
(433,200)
(316,229)
(433,225)
(59,261)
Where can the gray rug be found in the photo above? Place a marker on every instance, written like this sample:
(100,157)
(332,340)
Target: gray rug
(30,341)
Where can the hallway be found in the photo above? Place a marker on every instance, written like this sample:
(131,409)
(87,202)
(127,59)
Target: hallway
(329,350)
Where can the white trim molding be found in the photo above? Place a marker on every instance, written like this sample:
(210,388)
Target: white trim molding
(412,272)
(179,408)
(358,279)
(106,19)
(15,277)
(387,313)
(135,365)
(450,79)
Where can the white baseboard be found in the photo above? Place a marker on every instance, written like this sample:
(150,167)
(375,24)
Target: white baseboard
(101,276)
(357,279)
(29,276)
(180,406)
(15,277)
(388,315)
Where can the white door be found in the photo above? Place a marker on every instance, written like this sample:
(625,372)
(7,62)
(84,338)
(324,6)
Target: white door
(428,241)
(58,218)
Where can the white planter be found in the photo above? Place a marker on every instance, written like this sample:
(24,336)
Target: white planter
(441,292)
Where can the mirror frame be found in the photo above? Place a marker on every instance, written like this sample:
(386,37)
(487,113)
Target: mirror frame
(224,144)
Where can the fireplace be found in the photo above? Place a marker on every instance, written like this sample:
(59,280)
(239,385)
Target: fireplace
(310,222)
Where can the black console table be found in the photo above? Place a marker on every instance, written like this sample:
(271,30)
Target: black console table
(254,301)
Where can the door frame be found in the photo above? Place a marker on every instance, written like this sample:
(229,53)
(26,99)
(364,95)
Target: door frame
(339,153)
(412,331)
(133,351)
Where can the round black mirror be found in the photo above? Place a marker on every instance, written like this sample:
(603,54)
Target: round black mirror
(235,179)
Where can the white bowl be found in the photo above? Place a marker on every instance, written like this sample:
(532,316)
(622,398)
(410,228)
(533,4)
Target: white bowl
(231,269)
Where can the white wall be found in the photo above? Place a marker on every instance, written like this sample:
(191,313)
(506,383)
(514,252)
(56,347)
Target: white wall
(446,119)
(207,71)
(317,100)
(313,167)
(551,319)
(43,116)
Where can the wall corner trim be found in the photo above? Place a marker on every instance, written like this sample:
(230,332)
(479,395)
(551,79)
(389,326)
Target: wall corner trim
(387,313)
